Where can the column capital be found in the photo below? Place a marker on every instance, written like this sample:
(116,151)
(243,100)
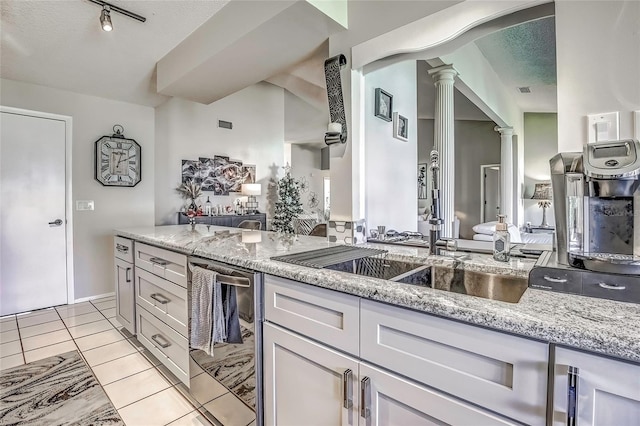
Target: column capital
(504,131)
(444,72)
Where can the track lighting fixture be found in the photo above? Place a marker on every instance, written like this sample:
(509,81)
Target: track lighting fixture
(105,15)
(105,19)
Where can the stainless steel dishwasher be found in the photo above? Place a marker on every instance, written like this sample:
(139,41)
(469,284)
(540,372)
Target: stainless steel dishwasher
(236,366)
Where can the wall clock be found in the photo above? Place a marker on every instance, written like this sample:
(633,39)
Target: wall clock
(117,159)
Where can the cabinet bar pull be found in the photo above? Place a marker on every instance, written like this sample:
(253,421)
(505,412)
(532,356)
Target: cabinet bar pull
(231,280)
(158,261)
(365,398)
(126,275)
(122,248)
(572,396)
(347,389)
(160,298)
(555,280)
(612,286)
(164,344)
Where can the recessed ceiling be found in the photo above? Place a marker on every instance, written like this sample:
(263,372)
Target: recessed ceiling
(60,44)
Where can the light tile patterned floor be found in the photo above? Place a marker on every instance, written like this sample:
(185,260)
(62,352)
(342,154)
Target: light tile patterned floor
(142,390)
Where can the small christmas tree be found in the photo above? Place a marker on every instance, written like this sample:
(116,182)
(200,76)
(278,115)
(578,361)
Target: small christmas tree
(288,206)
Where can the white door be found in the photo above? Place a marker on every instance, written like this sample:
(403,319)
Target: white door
(33,265)
(388,399)
(306,383)
(608,391)
(491,193)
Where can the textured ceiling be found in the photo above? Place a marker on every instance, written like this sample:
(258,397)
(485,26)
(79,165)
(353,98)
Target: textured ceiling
(59,43)
(525,55)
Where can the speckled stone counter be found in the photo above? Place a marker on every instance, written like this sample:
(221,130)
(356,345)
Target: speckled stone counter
(598,325)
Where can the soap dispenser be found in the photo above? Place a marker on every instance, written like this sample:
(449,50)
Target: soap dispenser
(501,240)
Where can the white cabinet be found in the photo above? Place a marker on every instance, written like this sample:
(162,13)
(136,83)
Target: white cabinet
(607,392)
(124,284)
(307,383)
(324,315)
(387,399)
(497,371)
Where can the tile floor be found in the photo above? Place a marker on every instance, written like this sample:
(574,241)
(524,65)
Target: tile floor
(143,391)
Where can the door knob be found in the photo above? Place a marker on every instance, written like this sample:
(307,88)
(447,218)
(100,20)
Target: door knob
(57,222)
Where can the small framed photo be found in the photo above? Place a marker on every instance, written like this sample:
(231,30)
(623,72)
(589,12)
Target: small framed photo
(400,127)
(383,105)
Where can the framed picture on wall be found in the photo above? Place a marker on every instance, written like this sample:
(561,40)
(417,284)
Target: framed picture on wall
(383,104)
(400,127)
(422,181)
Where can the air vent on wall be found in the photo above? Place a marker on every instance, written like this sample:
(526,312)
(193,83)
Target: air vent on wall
(524,89)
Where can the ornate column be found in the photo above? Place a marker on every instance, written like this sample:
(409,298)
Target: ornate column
(507,169)
(444,142)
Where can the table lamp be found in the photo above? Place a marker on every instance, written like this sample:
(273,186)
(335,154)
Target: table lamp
(251,190)
(543,194)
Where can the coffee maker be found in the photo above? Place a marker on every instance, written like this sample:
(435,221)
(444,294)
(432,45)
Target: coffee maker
(597,207)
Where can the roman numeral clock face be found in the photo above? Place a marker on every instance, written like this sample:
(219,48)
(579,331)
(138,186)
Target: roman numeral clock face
(117,161)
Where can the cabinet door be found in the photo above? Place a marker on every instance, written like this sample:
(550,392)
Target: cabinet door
(306,383)
(221,220)
(387,399)
(503,373)
(608,391)
(125,295)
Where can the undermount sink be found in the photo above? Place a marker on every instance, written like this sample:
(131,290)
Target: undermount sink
(386,269)
(505,288)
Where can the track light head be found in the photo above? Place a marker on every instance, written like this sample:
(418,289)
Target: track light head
(105,19)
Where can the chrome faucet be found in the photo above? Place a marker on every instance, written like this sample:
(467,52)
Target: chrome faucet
(435,221)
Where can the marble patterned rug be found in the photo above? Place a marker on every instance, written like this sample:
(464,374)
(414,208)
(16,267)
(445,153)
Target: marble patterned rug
(59,390)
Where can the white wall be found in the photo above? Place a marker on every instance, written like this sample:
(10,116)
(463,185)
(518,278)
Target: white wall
(598,65)
(93,118)
(187,130)
(367,19)
(541,131)
(391,194)
(305,163)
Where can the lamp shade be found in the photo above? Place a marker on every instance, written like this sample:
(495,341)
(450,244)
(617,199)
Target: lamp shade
(542,192)
(251,189)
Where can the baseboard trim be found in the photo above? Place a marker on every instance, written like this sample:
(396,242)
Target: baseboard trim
(99,296)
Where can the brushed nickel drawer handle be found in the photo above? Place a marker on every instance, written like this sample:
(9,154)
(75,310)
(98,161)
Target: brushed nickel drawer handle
(163,345)
(158,261)
(572,396)
(122,248)
(160,298)
(365,399)
(347,389)
(612,286)
(555,280)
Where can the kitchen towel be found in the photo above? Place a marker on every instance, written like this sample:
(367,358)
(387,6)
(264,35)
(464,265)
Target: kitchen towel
(234,334)
(207,317)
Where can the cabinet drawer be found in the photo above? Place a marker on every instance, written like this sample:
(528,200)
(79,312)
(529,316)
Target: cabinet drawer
(324,315)
(164,299)
(123,249)
(163,263)
(500,372)
(165,343)
(615,287)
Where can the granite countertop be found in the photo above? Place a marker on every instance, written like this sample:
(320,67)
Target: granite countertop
(599,325)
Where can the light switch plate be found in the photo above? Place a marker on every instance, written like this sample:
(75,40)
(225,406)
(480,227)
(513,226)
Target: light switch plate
(636,124)
(84,205)
(603,127)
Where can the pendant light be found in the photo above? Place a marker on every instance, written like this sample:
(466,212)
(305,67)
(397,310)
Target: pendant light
(105,19)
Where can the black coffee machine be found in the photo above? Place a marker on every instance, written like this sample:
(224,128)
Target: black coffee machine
(596,196)
(597,206)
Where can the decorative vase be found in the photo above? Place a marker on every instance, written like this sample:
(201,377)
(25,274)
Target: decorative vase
(193,206)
